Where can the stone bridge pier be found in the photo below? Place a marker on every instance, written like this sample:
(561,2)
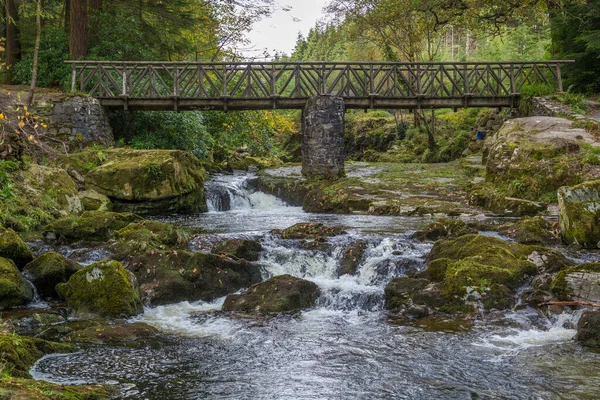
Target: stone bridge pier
(323,151)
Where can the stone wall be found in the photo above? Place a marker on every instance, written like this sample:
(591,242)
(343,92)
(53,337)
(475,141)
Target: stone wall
(323,150)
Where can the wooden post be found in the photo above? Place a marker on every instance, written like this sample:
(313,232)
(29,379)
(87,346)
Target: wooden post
(73,77)
(559,78)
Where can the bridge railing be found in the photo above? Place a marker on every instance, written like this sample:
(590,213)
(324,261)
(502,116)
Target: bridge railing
(301,80)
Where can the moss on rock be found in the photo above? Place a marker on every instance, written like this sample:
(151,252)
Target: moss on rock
(172,276)
(49,270)
(307,230)
(240,248)
(104,288)
(14,289)
(14,248)
(19,353)
(580,214)
(94,201)
(397,293)
(534,230)
(444,228)
(55,187)
(90,226)
(565,290)
(146,235)
(283,293)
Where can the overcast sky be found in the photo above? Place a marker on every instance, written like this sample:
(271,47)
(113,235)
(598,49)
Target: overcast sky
(279,32)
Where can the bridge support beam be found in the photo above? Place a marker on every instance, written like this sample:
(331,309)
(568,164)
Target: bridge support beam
(323,150)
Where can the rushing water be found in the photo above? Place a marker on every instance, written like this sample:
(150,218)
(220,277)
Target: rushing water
(344,348)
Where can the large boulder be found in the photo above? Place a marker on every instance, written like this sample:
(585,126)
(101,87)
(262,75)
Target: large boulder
(580,214)
(170,276)
(537,155)
(578,283)
(309,230)
(14,289)
(240,248)
(104,288)
(534,230)
(150,181)
(55,186)
(480,272)
(353,255)
(49,270)
(588,329)
(90,226)
(283,293)
(14,248)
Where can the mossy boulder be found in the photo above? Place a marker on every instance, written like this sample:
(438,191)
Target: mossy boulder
(283,293)
(477,271)
(14,289)
(104,288)
(49,270)
(170,276)
(398,292)
(19,353)
(90,226)
(240,248)
(578,283)
(588,329)
(534,230)
(94,201)
(146,235)
(54,187)
(497,200)
(14,248)
(308,230)
(534,156)
(150,181)
(579,208)
(444,228)
(353,255)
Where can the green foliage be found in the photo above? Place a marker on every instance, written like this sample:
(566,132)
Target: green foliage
(52,71)
(590,154)
(575,101)
(536,90)
(7,185)
(163,130)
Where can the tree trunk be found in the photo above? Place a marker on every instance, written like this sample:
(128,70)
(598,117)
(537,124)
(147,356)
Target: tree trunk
(13,47)
(68,16)
(78,44)
(36,50)
(96,5)
(553,13)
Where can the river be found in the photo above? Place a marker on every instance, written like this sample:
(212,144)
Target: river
(345,348)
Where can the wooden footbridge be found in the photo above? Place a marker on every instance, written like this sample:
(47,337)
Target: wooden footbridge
(281,85)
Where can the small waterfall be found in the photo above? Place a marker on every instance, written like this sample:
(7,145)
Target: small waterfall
(232,192)
(37,301)
(384,258)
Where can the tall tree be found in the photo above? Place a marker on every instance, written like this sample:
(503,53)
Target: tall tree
(78,45)
(13,47)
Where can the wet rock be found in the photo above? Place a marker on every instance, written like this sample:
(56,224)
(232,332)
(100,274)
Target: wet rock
(495,200)
(90,226)
(534,230)
(19,353)
(104,288)
(578,283)
(150,181)
(283,293)
(306,230)
(14,248)
(588,329)
(580,214)
(49,270)
(398,292)
(146,235)
(14,289)
(444,228)
(32,322)
(353,255)
(167,277)
(476,271)
(240,248)
(94,201)
(114,333)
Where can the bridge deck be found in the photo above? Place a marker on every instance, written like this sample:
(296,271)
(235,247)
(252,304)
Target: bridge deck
(278,85)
